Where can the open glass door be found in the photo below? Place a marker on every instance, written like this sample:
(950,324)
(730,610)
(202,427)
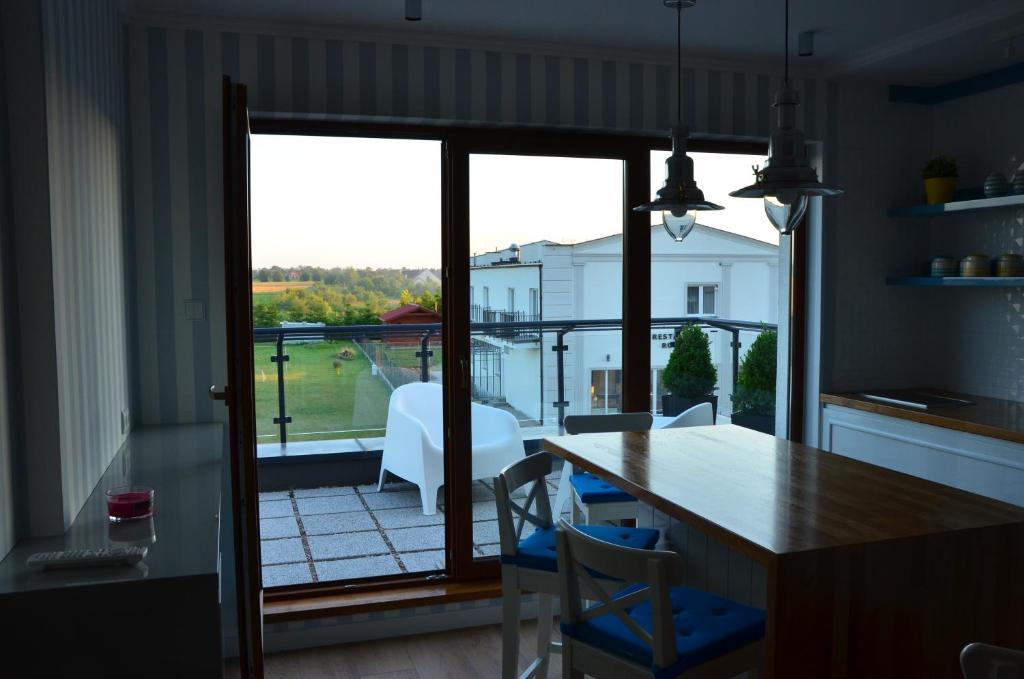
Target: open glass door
(238,394)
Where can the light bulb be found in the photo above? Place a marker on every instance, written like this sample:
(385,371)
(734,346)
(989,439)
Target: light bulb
(785,211)
(678,224)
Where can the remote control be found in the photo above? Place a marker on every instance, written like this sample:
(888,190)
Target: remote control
(83,558)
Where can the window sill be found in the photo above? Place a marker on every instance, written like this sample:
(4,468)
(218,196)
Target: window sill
(300,606)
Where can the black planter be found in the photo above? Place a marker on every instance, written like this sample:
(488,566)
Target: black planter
(673,405)
(762,423)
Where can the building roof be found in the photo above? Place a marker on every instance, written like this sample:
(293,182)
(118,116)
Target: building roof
(405,310)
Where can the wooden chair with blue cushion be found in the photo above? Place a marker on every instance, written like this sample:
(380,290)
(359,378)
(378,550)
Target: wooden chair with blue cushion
(651,628)
(596,501)
(528,558)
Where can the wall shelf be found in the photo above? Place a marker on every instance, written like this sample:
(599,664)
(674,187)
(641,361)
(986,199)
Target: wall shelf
(956,207)
(957,281)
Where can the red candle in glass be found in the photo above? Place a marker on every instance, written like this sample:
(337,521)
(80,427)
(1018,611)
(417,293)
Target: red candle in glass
(126,503)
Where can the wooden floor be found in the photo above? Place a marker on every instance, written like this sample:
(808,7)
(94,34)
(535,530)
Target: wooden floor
(473,652)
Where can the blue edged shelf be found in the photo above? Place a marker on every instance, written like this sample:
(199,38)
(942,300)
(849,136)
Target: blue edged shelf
(957,281)
(957,207)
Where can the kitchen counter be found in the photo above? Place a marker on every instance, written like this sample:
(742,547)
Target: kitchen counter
(992,417)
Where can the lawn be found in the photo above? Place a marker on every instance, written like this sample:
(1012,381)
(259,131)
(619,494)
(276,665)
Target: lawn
(323,402)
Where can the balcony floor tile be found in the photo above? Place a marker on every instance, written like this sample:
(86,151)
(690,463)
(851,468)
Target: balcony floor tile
(329,491)
(288,574)
(423,561)
(329,505)
(284,527)
(407,517)
(347,544)
(393,499)
(412,539)
(345,569)
(275,509)
(348,522)
(288,550)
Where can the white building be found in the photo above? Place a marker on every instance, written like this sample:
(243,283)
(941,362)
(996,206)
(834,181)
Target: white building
(713,274)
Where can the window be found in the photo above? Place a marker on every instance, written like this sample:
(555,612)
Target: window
(535,302)
(487,297)
(472,296)
(701,300)
(511,299)
(605,391)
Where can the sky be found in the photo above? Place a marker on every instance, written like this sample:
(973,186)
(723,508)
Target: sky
(337,201)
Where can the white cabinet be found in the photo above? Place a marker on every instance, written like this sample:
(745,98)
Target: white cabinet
(979,464)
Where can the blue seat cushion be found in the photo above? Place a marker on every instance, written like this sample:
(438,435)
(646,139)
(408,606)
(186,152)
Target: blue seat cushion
(538,550)
(592,490)
(706,627)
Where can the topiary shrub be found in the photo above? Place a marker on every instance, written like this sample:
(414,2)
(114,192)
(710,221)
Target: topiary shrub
(755,384)
(690,372)
(939,166)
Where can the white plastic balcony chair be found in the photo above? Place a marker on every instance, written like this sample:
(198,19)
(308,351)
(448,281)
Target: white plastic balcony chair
(984,661)
(700,415)
(593,500)
(414,440)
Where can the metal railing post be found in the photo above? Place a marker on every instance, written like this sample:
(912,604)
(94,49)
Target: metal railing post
(560,348)
(735,358)
(282,419)
(424,355)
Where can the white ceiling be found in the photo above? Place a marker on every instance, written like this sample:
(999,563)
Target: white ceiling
(915,42)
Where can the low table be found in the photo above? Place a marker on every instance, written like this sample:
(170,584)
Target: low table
(870,573)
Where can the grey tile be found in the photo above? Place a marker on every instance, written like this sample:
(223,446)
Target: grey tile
(324,492)
(275,509)
(349,522)
(363,567)
(392,499)
(405,517)
(284,527)
(423,561)
(482,492)
(490,550)
(288,574)
(413,539)
(393,485)
(328,505)
(485,532)
(485,511)
(282,551)
(274,495)
(347,544)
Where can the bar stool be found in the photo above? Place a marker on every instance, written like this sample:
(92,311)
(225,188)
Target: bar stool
(529,563)
(650,628)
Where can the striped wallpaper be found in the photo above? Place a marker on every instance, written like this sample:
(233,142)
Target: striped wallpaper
(174,108)
(85,121)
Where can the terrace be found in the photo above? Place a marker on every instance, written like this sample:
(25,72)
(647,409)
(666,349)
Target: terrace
(322,400)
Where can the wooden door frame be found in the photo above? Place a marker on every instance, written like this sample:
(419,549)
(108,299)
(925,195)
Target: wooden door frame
(458,141)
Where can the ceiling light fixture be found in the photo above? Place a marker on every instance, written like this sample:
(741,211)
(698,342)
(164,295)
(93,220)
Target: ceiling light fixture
(679,199)
(786,182)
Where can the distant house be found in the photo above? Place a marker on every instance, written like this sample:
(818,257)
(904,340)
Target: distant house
(293,275)
(427,277)
(410,314)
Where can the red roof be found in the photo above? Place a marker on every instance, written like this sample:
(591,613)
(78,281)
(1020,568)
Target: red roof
(424,315)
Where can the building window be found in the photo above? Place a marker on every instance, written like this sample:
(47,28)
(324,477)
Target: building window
(472,296)
(605,392)
(511,299)
(487,297)
(701,300)
(535,302)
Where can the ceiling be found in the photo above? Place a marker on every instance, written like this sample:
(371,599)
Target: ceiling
(912,42)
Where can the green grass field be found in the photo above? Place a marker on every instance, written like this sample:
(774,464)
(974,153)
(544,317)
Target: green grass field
(347,402)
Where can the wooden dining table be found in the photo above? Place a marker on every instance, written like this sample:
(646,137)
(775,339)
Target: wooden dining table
(870,573)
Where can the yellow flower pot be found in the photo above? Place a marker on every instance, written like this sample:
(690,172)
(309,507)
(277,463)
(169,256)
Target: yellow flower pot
(940,189)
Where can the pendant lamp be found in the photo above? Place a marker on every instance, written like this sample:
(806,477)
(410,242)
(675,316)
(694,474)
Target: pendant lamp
(679,199)
(787,181)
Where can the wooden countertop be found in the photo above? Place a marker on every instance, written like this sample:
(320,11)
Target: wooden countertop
(768,497)
(991,417)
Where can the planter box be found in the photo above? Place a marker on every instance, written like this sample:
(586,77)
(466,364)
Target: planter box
(762,423)
(674,405)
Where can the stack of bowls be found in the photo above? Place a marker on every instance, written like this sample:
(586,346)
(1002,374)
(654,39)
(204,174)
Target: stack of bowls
(996,185)
(973,266)
(944,266)
(1010,265)
(1017,183)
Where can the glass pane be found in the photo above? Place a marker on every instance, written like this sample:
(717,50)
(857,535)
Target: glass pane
(332,301)
(709,300)
(548,260)
(735,278)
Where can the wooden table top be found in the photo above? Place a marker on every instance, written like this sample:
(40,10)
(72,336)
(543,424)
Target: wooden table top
(768,497)
(993,417)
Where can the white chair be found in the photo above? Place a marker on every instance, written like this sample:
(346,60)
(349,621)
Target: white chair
(595,501)
(652,628)
(528,562)
(984,661)
(414,440)
(700,415)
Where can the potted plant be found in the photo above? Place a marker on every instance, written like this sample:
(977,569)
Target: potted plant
(690,375)
(940,180)
(753,404)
